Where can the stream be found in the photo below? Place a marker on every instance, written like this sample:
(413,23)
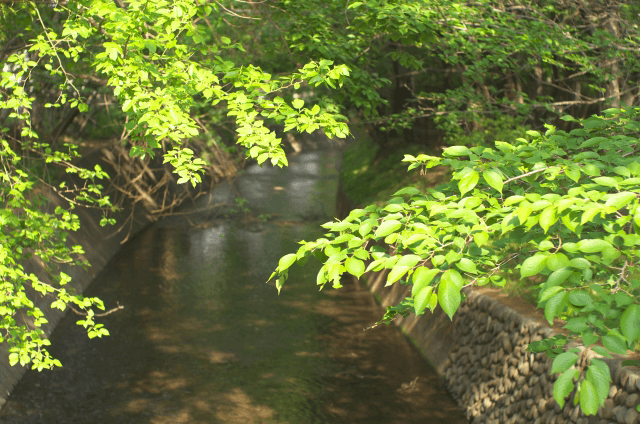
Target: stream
(203,339)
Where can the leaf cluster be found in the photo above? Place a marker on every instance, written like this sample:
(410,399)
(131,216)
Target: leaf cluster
(562,207)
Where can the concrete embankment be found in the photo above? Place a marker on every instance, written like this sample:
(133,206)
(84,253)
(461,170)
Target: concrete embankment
(482,356)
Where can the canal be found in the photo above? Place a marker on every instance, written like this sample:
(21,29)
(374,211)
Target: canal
(203,339)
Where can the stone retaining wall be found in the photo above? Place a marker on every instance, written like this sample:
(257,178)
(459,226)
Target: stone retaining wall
(482,356)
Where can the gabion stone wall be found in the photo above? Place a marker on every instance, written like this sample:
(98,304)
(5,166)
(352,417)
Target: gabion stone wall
(482,356)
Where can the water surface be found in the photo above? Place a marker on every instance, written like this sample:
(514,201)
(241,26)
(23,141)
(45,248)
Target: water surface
(203,339)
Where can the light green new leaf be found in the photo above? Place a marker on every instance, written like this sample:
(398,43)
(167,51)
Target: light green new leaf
(591,211)
(433,301)
(481,238)
(573,172)
(297,103)
(366,226)
(494,179)
(524,210)
(286,261)
(619,200)
(454,277)
(422,277)
(606,181)
(468,182)
(467,265)
(533,265)
(404,264)
(557,261)
(456,151)
(548,217)
(421,299)
(630,323)
(354,266)
(387,227)
(407,191)
(449,296)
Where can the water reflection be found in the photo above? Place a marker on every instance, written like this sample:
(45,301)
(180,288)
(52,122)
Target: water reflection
(202,339)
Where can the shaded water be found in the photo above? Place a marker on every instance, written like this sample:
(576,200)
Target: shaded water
(202,339)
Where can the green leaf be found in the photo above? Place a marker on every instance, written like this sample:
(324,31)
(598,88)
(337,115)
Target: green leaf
(297,103)
(456,151)
(533,265)
(579,298)
(401,267)
(601,351)
(563,362)
(524,210)
(481,238)
(387,227)
(454,277)
(449,296)
(366,226)
(599,375)
(630,323)
(286,261)
(590,212)
(422,277)
(407,191)
(548,217)
(421,299)
(557,261)
(589,338)
(593,245)
(615,343)
(573,172)
(606,181)
(549,292)
(493,178)
(577,324)
(579,263)
(555,306)
(564,386)
(354,266)
(589,401)
(468,182)
(467,265)
(619,200)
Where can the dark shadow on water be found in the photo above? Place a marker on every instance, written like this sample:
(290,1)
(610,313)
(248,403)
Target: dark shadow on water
(202,339)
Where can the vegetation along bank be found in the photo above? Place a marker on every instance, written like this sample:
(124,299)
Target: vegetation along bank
(529,111)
